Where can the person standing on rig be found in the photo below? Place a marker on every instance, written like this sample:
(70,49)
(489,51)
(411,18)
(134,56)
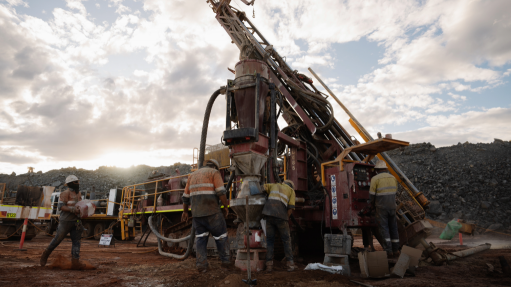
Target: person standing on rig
(276,212)
(69,222)
(204,188)
(383,198)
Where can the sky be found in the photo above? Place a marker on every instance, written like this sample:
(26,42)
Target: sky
(87,83)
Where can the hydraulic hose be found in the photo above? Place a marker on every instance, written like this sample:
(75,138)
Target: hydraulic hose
(231,178)
(190,237)
(205,124)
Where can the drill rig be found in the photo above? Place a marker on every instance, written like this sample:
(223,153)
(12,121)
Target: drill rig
(331,170)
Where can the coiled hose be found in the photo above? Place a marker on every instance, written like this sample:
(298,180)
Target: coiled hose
(190,237)
(205,124)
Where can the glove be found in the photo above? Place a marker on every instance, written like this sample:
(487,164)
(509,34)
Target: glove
(225,211)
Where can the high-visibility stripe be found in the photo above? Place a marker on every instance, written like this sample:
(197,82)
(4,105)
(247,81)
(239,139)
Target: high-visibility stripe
(279,193)
(202,192)
(203,234)
(201,185)
(186,195)
(395,240)
(372,192)
(71,202)
(218,189)
(387,239)
(221,236)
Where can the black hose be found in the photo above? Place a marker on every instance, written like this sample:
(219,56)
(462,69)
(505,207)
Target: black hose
(205,124)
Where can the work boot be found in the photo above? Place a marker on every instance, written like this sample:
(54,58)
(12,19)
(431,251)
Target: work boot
(290,266)
(203,268)
(76,265)
(44,257)
(269,266)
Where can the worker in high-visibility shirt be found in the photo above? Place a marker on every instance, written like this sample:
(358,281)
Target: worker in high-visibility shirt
(69,222)
(382,195)
(276,212)
(204,188)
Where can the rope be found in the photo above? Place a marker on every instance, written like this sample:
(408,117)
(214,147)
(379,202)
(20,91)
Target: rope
(12,234)
(40,229)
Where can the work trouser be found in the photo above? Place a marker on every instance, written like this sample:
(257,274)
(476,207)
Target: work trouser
(214,224)
(387,226)
(75,230)
(272,225)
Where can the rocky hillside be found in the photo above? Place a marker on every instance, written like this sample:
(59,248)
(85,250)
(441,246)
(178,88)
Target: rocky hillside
(467,181)
(103,178)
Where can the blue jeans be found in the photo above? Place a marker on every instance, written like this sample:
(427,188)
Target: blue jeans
(216,226)
(387,226)
(272,225)
(63,229)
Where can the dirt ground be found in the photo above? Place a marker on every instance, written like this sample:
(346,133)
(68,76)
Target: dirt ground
(127,265)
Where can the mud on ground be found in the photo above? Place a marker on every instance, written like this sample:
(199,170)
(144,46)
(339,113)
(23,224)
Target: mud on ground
(127,265)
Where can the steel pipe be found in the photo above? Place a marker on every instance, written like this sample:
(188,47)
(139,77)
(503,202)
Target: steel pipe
(468,252)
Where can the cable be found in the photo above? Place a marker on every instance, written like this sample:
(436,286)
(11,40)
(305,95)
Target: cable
(205,124)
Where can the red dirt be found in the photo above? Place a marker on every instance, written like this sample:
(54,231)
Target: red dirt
(126,265)
(64,263)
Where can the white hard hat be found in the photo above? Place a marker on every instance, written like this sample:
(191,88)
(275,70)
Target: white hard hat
(380,165)
(71,178)
(290,183)
(215,162)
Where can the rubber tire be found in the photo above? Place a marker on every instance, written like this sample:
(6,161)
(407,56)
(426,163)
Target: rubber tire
(98,230)
(87,232)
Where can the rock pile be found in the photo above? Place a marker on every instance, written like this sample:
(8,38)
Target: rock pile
(103,179)
(466,181)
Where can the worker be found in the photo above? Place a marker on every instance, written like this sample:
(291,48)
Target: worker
(69,222)
(204,188)
(276,212)
(383,199)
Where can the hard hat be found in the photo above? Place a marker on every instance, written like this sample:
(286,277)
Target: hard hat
(380,165)
(71,178)
(289,183)
(213,161)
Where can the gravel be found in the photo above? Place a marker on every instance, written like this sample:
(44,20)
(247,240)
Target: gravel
(466,181)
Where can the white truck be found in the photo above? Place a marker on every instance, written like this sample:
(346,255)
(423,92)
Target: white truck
(28,202)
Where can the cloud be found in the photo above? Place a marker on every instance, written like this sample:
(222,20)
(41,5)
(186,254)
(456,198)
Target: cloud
(60,107)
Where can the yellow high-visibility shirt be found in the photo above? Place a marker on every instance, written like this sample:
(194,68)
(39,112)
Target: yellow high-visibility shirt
(383,191)
(281,197)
